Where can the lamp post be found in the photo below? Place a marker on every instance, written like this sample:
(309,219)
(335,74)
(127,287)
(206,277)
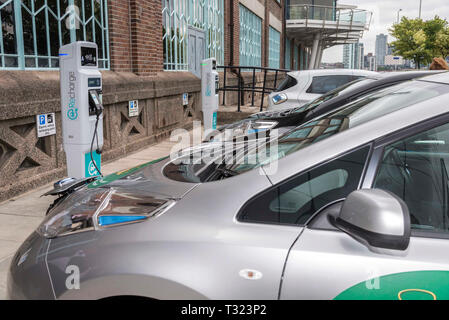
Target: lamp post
(420,5)
(398,15)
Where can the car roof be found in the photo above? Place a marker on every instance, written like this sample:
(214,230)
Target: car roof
(364,133)
(381,80)
(439,77)
(405,75)
(321,72)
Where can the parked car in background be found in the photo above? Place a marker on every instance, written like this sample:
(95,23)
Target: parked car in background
(285,119)
(360,195)
(300,87)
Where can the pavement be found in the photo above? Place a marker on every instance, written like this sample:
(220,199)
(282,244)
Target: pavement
(21,215)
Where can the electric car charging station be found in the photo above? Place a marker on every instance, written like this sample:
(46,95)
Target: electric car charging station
(81,108)
(209,93)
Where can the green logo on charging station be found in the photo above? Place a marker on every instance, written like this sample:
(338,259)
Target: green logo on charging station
(89,167)
(72,113)
(214,120)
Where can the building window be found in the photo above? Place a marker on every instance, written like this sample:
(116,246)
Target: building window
(178,16)
(274,54)
(287,53)
(33,31)
(250,38)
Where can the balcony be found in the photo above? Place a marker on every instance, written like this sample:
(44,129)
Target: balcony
(335,25)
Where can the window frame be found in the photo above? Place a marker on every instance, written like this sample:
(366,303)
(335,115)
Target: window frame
(84,20)
(250,48)
(378,154)
(177,17)
(370,145)
(274,48)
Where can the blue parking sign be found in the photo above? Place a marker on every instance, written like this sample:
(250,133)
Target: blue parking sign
(42,118)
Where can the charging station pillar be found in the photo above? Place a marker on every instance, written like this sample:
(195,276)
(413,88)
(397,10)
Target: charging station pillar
(209,93)
(81,108)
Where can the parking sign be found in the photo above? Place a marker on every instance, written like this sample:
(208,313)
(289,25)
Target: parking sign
(45,125)
(133,108)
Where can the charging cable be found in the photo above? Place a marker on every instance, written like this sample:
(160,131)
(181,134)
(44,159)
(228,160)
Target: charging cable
(92,145)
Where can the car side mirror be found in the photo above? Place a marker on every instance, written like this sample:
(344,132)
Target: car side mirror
(377,218)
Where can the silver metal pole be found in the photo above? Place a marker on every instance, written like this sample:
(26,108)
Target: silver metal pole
(420,6)
(314,56)
(398,15)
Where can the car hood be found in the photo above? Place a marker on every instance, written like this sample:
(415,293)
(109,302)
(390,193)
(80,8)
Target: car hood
(141,192)
(146,178)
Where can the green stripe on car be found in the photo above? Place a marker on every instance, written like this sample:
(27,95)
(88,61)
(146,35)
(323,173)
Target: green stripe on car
(414,285)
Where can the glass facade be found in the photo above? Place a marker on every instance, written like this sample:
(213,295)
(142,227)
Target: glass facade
(274,54)
(250,38)
(178,16)
(33,31)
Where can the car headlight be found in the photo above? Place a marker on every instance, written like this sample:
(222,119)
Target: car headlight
(279,98)
(100,208)
(263,125)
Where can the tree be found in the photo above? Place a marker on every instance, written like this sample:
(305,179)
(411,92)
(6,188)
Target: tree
(442,43)
(410,40)
(437,37)
(420,40)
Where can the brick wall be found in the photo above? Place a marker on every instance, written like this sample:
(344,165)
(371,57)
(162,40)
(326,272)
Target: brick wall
(272,6)
(136,30)
(119,35)
(229,38)
(135,36)
(276,8)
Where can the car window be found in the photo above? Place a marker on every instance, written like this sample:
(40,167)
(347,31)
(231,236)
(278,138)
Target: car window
(323,84)
(287,83)
(416,170)
(347,87)
(368,107)
(294,201)
(358,77)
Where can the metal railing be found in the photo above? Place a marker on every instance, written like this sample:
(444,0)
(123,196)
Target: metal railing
(252,87)
(325,13)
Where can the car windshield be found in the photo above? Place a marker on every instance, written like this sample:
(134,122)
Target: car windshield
(351,115)
(331,94)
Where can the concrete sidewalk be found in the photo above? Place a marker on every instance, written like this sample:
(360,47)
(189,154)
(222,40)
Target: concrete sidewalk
(22,215)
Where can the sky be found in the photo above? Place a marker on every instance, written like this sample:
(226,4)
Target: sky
(384,15)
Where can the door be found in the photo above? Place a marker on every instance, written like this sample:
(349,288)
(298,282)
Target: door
(325,263)
(197,47)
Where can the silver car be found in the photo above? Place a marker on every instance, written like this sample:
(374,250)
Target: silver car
(300,87)
(350,205)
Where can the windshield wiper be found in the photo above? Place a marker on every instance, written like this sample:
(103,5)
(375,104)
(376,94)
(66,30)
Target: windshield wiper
(227,172)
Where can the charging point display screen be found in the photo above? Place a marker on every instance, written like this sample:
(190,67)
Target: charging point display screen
(94,82)
(88,56)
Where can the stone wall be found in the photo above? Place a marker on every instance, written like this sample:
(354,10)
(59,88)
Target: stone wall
(27,161)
